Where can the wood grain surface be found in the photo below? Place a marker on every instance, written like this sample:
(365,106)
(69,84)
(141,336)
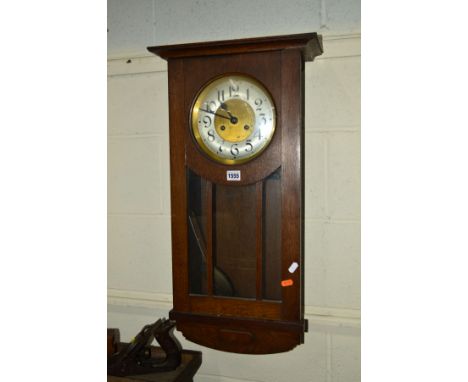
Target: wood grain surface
(254,253)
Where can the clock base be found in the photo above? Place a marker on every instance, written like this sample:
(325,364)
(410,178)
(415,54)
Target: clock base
(240,335)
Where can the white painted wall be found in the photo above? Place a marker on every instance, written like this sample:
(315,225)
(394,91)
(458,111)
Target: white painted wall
(139,258)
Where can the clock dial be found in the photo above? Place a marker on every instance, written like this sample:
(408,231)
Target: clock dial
(233,119)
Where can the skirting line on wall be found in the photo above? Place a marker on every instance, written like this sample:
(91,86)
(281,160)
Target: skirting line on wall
(315,314)
(335,47)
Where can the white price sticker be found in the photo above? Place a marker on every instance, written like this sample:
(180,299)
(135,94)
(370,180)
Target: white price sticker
(293,267)
(233,175)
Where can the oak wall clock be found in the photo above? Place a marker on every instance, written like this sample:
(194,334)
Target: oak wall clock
(236,119)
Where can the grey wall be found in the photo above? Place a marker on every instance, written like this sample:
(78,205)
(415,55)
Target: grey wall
(134,25)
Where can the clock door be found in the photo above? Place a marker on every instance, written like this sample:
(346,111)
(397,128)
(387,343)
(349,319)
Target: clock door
(237,225)
(235,238)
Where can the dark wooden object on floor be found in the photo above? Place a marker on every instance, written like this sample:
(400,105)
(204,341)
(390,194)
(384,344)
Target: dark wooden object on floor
(254,313)
(188,367)
(190,363)
(136,358)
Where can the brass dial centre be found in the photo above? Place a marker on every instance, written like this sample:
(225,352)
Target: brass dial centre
(240,122)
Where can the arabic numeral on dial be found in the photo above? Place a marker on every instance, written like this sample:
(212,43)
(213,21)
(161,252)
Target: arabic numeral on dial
(206,121)
(233,91)
(248,147)
(258,134)
(234,150)
(262,117)
(258,103)
(211,136)
(248,94)
(211,106)
(221,95)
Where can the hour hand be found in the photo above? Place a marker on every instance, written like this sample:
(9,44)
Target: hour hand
(232,118)
(224,107)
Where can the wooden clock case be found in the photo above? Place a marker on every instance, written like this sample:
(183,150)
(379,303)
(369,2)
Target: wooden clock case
(253,325)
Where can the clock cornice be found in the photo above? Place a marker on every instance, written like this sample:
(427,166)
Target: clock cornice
(309,43)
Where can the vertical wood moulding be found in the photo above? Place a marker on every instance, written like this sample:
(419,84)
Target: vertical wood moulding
(209,237)
(178,185)
(302,193)
(259,249)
